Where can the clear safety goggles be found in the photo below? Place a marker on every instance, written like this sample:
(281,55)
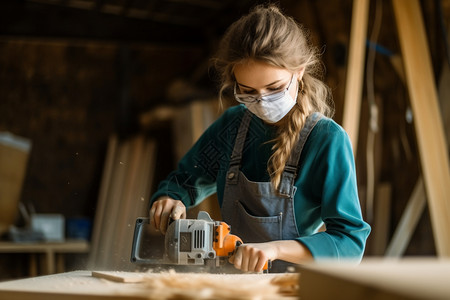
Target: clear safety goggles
(269,97)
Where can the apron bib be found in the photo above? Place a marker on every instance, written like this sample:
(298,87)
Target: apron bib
(254,210)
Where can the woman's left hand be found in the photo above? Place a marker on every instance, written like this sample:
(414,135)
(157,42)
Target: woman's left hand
(253,257)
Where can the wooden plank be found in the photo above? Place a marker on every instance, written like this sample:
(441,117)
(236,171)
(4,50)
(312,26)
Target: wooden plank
(377,279)
(125,220)
(135,202)
(125,189)
(111,211)
(355,70)
(14,154)
(408,222)
(427,118)
(118,276)
(104,193)
(444,95)
(381,225)
(146,180)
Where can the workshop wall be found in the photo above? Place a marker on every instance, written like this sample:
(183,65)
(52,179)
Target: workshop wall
(68,98)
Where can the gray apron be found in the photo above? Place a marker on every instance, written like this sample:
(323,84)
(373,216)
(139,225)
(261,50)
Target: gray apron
(254,210)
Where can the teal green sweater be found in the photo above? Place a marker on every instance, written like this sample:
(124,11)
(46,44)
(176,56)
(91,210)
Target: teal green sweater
(326,182)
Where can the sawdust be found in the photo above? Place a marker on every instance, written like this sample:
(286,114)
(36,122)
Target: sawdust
(172,285)
(288,284)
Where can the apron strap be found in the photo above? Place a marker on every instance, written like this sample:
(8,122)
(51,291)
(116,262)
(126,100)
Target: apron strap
(291,167)
(236,156)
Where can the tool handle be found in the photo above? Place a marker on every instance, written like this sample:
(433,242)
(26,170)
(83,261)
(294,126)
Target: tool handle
(267,265)
(137,238)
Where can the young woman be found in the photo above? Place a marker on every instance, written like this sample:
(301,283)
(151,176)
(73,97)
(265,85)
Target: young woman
(280,166)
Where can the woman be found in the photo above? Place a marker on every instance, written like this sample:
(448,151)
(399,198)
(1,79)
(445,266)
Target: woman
(280,166)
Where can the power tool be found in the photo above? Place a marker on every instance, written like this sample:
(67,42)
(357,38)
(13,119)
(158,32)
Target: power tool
(201,242)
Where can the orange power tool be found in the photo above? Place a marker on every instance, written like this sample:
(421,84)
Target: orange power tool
(200,241)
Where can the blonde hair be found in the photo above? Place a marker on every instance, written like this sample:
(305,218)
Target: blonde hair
(269,36)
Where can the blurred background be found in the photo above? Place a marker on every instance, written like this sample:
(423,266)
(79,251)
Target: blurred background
(100,98)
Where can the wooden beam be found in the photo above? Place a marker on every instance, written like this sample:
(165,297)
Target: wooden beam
(427,118)
(408,222)
(38,20)
(381,221)
(355,70)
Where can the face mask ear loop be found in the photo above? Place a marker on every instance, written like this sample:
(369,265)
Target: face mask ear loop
(302,86)
(301,91)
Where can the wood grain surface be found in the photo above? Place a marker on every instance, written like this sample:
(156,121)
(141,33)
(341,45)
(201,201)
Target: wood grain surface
(137,286)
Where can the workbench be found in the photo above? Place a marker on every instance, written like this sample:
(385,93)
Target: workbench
(66,286)
(48,254)
(375,279)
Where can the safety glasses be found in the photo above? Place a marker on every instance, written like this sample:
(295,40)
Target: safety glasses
(270,97)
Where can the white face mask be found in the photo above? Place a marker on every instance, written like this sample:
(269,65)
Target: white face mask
(271,108)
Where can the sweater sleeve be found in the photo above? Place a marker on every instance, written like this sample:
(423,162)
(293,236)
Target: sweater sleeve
(196,175)
(334,171)
(192,181)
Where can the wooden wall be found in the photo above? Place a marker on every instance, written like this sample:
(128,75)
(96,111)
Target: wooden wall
(68,97)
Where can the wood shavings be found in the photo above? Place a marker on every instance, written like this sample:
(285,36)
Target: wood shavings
(288,284)
(171,285)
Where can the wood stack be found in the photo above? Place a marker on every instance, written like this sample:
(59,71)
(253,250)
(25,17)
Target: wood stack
(124,193)
(14,153)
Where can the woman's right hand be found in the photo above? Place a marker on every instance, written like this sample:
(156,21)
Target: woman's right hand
(163,209)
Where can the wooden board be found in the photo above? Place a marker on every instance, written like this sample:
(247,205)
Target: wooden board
(104,194)
(118,276)
(377,279)
(122,227)
(14,153)
(427,118)
(124,194)
(355,70)
(408,222)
